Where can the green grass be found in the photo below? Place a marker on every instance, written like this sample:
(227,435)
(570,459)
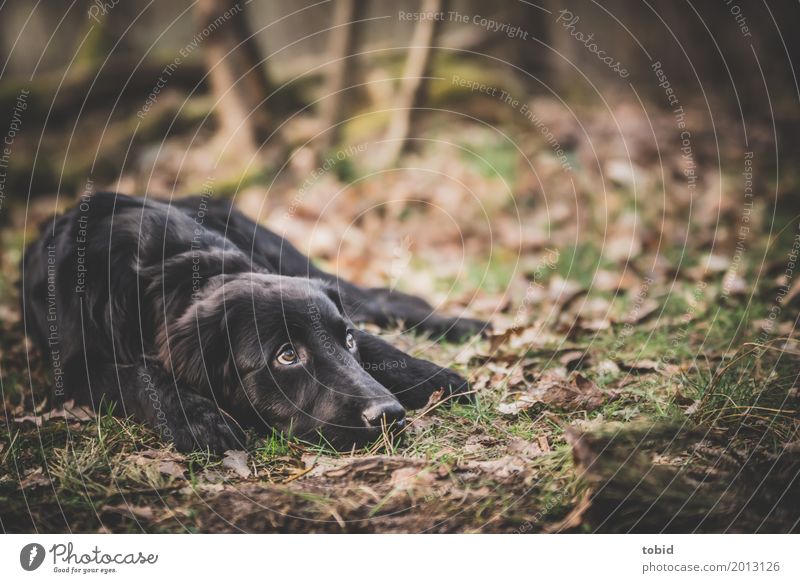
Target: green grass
(91,472)
(752,395)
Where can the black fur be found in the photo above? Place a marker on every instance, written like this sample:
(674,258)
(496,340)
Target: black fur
(176,312)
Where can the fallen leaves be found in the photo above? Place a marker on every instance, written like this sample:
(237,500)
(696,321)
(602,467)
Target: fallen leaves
(236,460)
(136,512)
(572,393)
(69,412)
(170,468)
(502,468)
(525,448)
(34,478)
(646,365)
(166,462)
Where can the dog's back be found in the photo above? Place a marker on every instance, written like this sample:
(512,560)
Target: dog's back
(81,285)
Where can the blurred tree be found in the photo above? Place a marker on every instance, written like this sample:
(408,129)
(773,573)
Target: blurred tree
(413,84)
(340,74)
(236,74)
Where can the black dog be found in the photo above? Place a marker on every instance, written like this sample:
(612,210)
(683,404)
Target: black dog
(194,319)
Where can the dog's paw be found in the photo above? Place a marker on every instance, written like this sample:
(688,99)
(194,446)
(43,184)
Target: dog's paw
(428,380)
(212,430)
(454,385)
(457,329)
(462,328)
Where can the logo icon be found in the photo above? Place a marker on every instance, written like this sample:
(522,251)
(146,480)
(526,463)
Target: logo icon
(31,556)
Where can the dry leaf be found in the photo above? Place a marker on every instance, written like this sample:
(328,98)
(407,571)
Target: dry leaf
(236,460)
(69,412)
(524,448)
(504,467)
(170,468)
(543,443)
(574,359)
(573,393)
(608,367)
(645,366)
(137,512)
(412,478)
(641,312)
(479,443)
(34,478)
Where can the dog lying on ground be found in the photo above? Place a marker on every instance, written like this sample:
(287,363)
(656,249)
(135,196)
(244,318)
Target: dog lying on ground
(194,319)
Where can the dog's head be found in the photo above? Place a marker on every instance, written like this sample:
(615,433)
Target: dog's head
(279,351)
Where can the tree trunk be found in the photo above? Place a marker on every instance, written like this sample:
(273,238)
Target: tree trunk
(236,76)
(413,84)
(340,73)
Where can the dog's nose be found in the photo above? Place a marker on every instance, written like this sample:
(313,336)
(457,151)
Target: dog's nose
(389,412)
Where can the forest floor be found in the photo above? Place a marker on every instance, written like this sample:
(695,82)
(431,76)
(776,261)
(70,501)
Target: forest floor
(642,375)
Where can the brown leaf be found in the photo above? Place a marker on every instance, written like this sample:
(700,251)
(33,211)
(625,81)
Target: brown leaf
(503,467)
(641,312)
(170,468)
(412,478)
(497,339)
(479,443)
(69,412)
(164,459)
(574,359)
(573,393)
(524,448)
(645,366)
(575,517)
(612,281)
(160,454)
(236,460)
(34,478)
(596,325)
(137,512)
(543,444)
(563,292)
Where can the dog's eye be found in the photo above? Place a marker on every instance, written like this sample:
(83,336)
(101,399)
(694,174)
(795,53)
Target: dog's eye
(287,355)
(350,341)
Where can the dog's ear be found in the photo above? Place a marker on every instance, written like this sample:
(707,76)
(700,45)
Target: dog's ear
(332,292)
(196,347)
